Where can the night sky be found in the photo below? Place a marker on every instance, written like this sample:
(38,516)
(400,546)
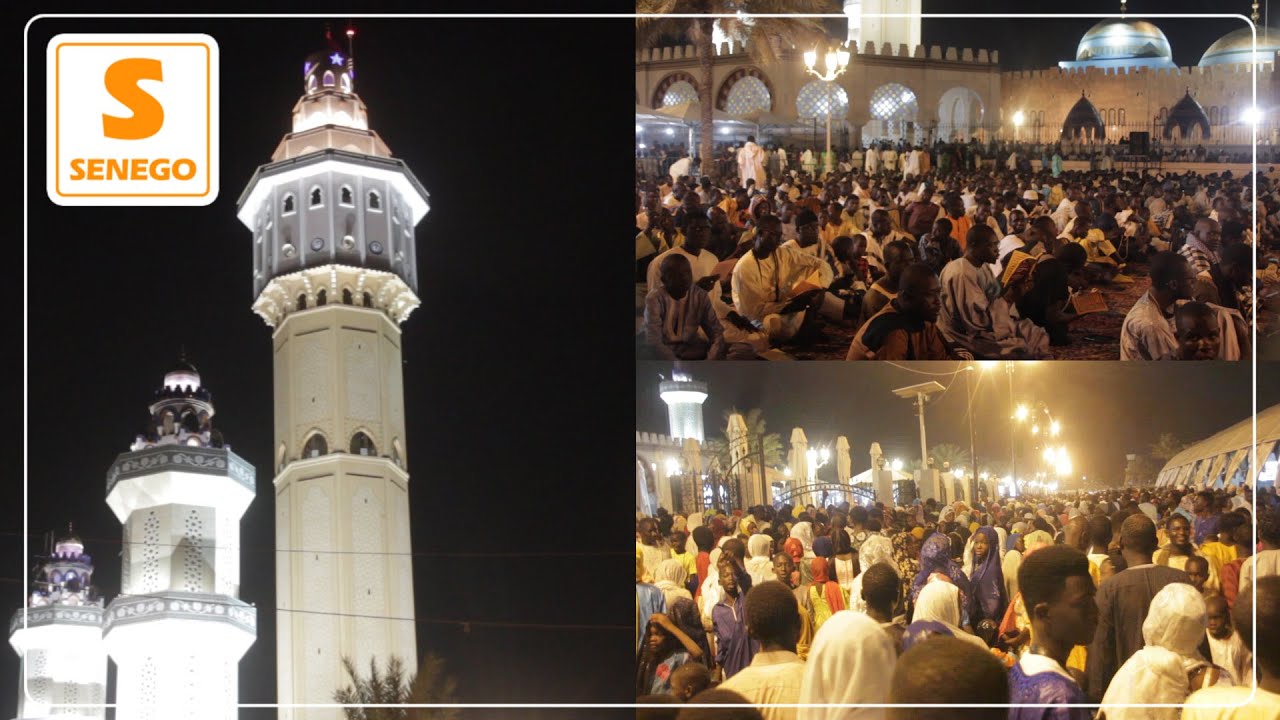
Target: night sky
(518,408)
(499,119)
(1036,43)
(1106,409)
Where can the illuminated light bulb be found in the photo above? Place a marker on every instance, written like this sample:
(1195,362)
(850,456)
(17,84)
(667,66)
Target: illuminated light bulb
(810,58)
(1021,413)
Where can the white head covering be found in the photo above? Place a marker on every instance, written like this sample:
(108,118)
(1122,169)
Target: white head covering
(939,601)
(851,661)
(803,531)
(1003,536)
(1157,674)
(876,549)
(670,577)
(758,545)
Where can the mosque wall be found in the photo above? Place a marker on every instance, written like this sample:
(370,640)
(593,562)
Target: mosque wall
(1137,98)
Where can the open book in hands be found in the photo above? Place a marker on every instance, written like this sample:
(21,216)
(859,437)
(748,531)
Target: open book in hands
(1089,301)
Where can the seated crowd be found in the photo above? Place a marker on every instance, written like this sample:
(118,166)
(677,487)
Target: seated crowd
(971,263)
(1080,603)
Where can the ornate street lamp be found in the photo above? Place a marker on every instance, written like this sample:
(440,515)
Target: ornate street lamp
(836,61)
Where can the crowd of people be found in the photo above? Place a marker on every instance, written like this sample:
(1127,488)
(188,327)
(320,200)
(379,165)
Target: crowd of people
(924,253)
(1075,606)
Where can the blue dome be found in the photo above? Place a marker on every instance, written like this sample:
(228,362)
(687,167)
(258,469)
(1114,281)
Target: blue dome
(1237,47)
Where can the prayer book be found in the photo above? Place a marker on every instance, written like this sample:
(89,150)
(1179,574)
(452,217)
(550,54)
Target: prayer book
(1089,301)
(808,284)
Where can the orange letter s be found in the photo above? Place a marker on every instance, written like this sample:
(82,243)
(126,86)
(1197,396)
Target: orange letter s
(121,80)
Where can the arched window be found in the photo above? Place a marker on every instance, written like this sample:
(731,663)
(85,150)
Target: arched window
(321,298)
(311,84)
(1213,115)
(302,301)
(317,197)
(1120,116)
(328,78)
(368,300)
(315,447)
(375,201)
(362,444)
(815,97)
(346,296)
(288,208)
(344,198)
(1226,115)
(747,95)
(346,83)
(678,93)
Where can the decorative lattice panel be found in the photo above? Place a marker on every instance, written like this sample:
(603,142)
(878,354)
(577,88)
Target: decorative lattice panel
(893,102)
(679,93)
(816,97)
(748,95)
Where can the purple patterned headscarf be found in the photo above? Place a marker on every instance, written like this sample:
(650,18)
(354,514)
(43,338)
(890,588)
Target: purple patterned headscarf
(935,557)
(987,595)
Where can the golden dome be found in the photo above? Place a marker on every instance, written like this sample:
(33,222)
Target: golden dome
(1237,47)
(1114,39)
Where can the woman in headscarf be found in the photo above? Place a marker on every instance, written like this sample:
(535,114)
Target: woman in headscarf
(987,599)
(759,558)
(1012,561)
(844,562)
(906,555)
(685,615)
(850,662)
(803,531)
(746,528)
(825,595)
(1163,671)
(939,602)
(877,549)
(670,578)
(823,548)
(795,549)
(718,527)
(665,648)
(935,557)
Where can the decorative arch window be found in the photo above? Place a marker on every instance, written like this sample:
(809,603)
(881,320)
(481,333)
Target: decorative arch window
(1111,116)
(281,453)
(167,424)
(375,201)
(321,298)
(815,97)
(346,83)
(1120,116)
(288,207)
(317,197)
(362,444)
(316,446)
(346,296)
(368,300)
(345,196)
(678,93)
(328,78)
(747,95)
(302,301)
(1213,115)
(311,84)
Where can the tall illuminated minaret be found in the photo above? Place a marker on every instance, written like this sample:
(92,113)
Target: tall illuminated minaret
(684,397)
(178,629)
(334,276)
(59,636)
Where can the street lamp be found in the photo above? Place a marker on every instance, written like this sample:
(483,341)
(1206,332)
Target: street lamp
(1018,119)
(920,393)
(836,61)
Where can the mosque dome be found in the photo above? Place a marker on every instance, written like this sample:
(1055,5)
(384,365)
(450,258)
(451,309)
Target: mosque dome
(327,70)
(1237,47)
(1118,39)
(182,375)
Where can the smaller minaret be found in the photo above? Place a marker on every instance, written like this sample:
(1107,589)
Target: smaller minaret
(59,636)
(684,397)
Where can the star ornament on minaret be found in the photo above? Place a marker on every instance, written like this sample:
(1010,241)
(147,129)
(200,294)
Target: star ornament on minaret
(336,58)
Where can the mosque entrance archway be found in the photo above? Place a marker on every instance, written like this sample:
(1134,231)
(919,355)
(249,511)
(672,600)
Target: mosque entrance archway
(894,113)
(825,493)
(960,114)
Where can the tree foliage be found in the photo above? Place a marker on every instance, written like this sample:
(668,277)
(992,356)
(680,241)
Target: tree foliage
(1166,446)
(389,686)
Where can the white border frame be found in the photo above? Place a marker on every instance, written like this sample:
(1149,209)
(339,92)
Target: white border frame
(563,16)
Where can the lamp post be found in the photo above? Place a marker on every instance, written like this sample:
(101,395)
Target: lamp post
(920,393)
(1018,119)
(837,61)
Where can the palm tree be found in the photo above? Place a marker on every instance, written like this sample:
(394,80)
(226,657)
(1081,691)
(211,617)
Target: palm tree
(765,39)
(946,454)
(391,687)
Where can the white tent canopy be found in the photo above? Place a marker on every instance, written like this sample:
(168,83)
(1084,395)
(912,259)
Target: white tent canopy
(864,477)
(1225,456)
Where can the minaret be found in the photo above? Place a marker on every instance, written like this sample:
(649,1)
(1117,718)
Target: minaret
(684,397)
(177,631)
(864,27)
(63,660)
(335,274)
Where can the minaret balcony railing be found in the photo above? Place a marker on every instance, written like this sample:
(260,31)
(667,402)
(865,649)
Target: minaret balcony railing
(181,458)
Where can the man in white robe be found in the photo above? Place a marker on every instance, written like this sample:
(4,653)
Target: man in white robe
(765,279)
(751,162)
(1148,331)
(912,166)
(872,162)
(980,315)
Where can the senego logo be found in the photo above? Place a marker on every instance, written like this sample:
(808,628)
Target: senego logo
(132,119)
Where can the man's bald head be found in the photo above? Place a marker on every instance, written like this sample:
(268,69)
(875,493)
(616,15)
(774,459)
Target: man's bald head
(1138,535)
